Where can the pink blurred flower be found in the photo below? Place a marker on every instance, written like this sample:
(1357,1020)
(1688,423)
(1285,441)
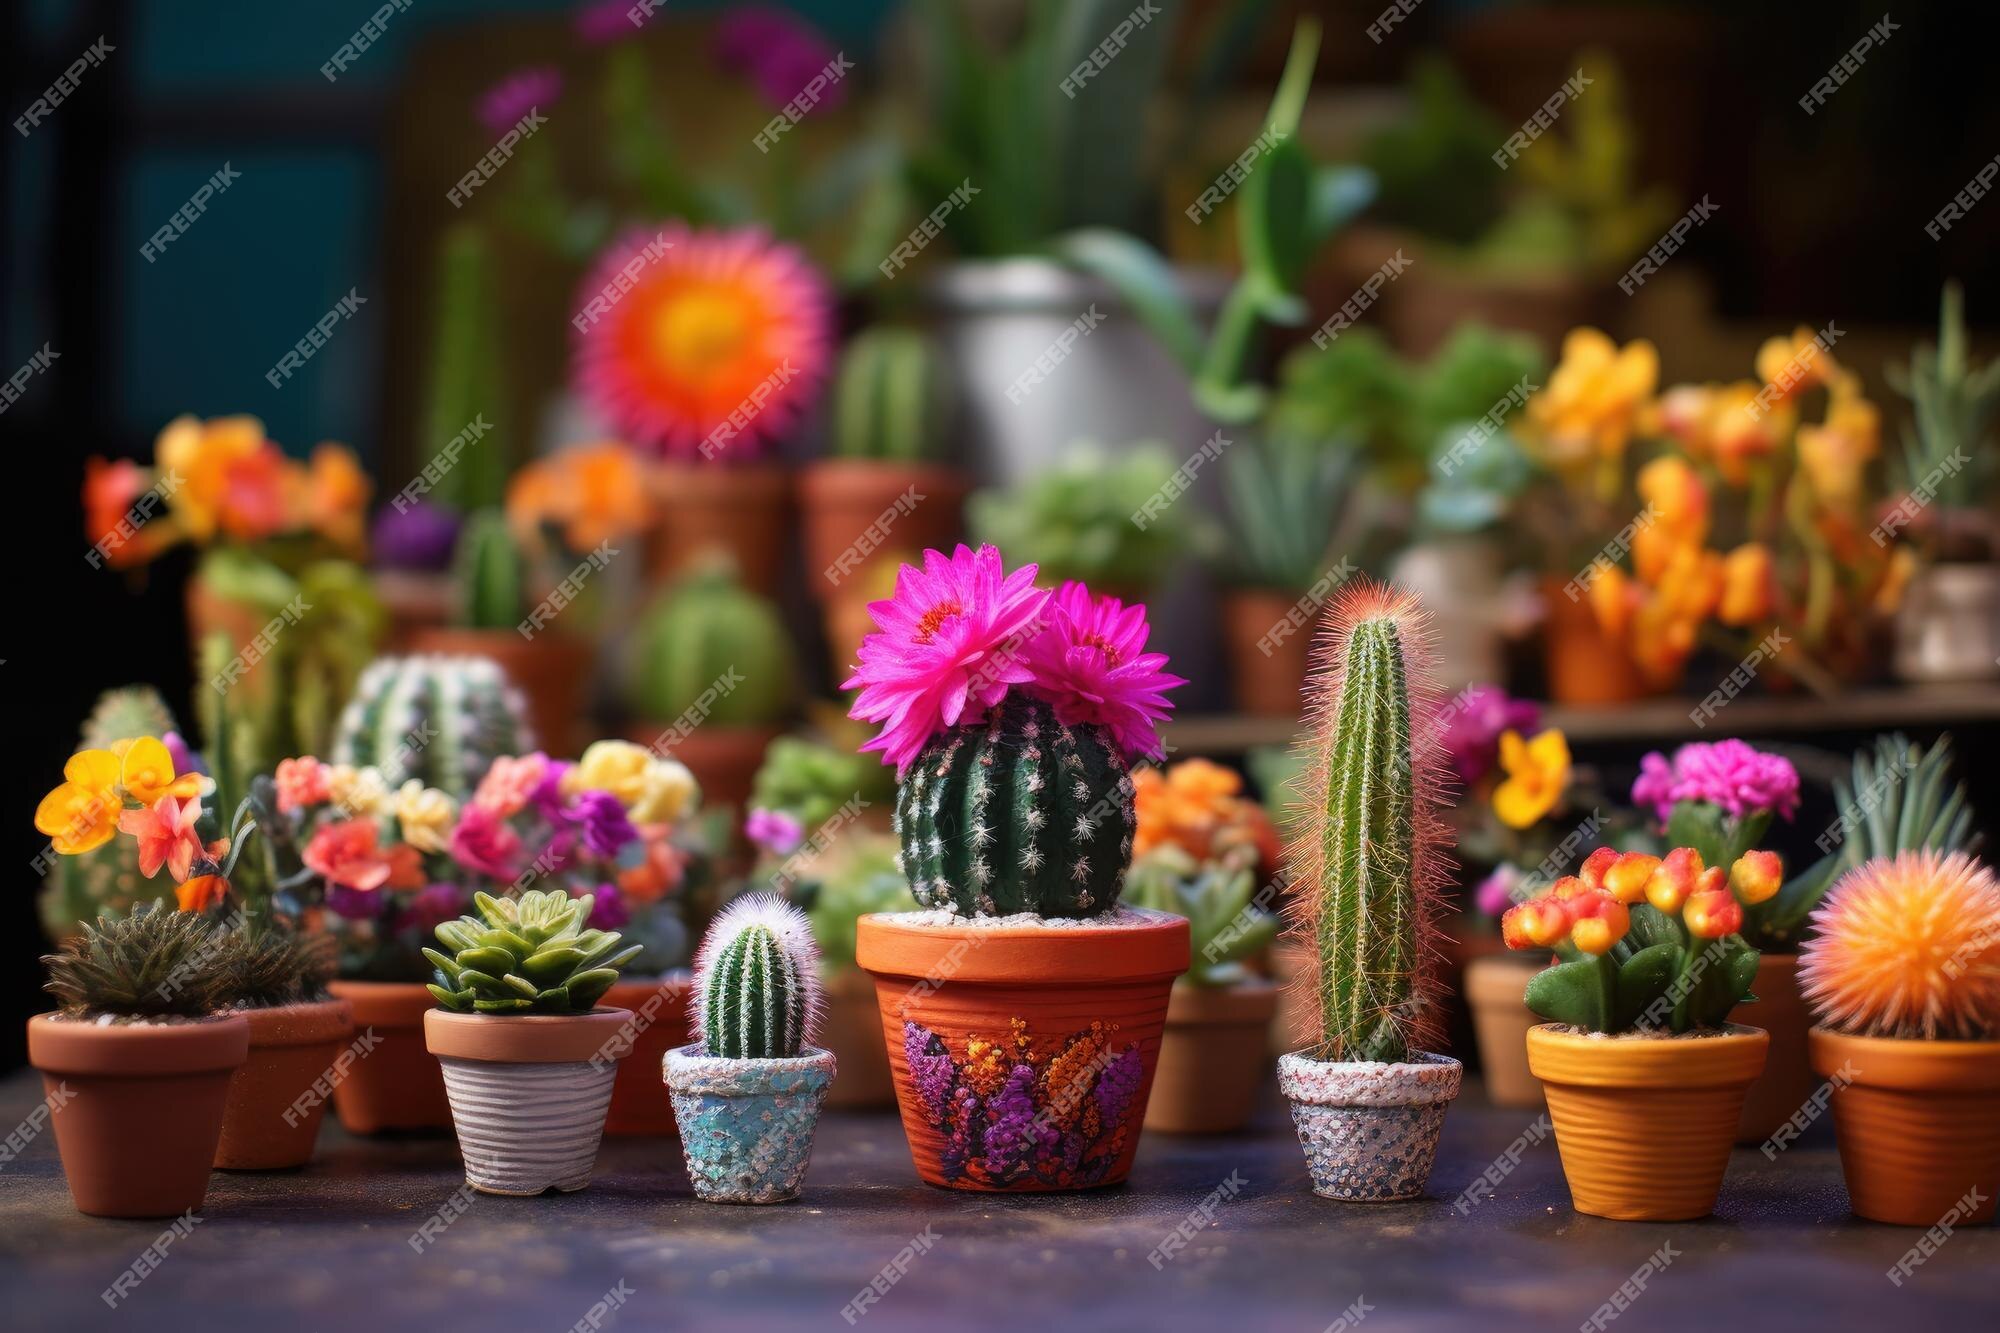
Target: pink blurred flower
(509,782)
(502,106)
(1495,893)
(484,845)
(1475,719)
(1730,774)
(603,22)
(347,854)
(774,831)
(302,783)
(1091,663)
(780,52)
(166,834)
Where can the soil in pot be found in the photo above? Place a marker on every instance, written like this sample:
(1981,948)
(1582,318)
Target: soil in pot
(1611,1098)
(529,1093)
(552,670)
(137,1107)
(1369,1128)
(747,1125)
(854,511)
(1787,1081)
(1212,1060)
(279,1096)
(705,507)
(1918,1124)
(640,1107)
(724,760)
(1268,654)
(1496,989)
(1056,1023)
(852,1030)
(398,1086)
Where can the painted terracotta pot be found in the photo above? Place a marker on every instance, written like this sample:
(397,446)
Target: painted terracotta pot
(399,1085)
(1212,1060)
(704,507)
(529,1093)
(640,1107)
(843,500)
(279,1096)
(552,670)
(747,1125)
(723,759)
(852,1029)
(1611,1098)
(1787,1080)
(137,1107)
(1265,683)
(1370,1128)
(1918,1124)
(1496,989)
(1023,1054)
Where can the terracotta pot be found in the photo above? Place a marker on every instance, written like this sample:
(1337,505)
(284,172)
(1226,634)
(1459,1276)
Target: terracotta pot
(747,1125)
(1212,1060)
(278,1097)
(705,507)
(1787,1080)
(1082,1003)
(399,1085)
(855,512)
(1268,654)
(724,760)
(552,670)
(137,1107)
(1584,667)
(415,603)
(852,1029)
(529,1093)
(1433,298)
(1918,1124)
(1496,988)
(1611,1098)
(659,1022)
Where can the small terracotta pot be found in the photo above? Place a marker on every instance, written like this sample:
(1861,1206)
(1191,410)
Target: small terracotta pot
(724,760)
(965,1007)
(552,670)
(1268,654)
(415,603)
(747,1125)
(1584,666)
(856,511)
(399,1085)
(1212,1060)
(137,1107)
(852,1029)
(1496,989)
(1370,1128)
(1787,1080)
(705,507)
(1918,1124)
(1611,1098)
(529,1093)
(640,1108)
(278,1097)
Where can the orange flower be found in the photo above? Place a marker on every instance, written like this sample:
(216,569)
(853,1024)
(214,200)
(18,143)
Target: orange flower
(1712,912)
(337,495)
(1597,921)
(201,893)
(595,493)
(127,531)
(1741,430)
(223,476)
(1748,585)
(1198,806)
(1674,879)
(82,814)
(1662,640)
(1611,600)
(167,836)
(1628,876)
(1692,584)
(1834,454)
(1756,877)
(1539,923)
(1792,365)
(1595,865)
(1676,497)
(1593,399)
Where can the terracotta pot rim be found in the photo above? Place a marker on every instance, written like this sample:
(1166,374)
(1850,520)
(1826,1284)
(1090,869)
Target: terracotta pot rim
(496,642)
(525,1039)
(1250,1002)
(671,478)
(1153,947)
(843,478)
(1909,1064)
(392,1004)
(1720,1057)
(306,1023)
(60,1045)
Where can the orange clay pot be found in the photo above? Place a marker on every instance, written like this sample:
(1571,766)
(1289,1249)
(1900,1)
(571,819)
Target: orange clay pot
(1212,1060)
(853,512)
(1496,989)
(852,1030)
(1584,667)
(704,507)
(724,760)
(137,1107)
(552,670)
(1023,1054)
(1613,1098)
(1918,1124)
(640,1107)
(1787,1080)
(1265,684)
(415,603)
(278,1097)
(399,1085)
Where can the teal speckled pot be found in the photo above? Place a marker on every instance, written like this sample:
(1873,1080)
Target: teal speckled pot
(747,1125)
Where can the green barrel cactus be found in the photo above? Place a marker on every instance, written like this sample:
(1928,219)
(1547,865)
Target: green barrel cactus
(440,719)
(708,642)
(531,954)
(487,572)
(756,982)
(889,399)
(1017,813)
(155,963)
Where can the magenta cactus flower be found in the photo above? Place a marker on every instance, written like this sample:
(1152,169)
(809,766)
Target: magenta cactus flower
(1092,664)
(501,107)
(1736,777)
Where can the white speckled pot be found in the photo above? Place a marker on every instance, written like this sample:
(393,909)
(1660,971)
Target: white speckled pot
(1370,1129)
(747,1125)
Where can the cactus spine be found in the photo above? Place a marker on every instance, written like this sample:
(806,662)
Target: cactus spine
(889,400)
(1017,813)
(707,629)
(757,991)
(487,569)
(441,719)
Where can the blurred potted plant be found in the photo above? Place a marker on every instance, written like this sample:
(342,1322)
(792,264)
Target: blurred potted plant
(439,720)
(1075,520)
(811,782)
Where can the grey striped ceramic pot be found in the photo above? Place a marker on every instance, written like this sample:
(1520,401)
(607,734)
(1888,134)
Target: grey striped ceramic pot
(747,1125)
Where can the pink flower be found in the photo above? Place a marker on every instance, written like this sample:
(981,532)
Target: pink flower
(503,105)
(602,22)
(347,854)
(302,783)
(1740,779)
(166,834)
(1474,721)
(1091,663)
(780,52)
(1495,893)
(484,845)
(774,831)
(950,644)
(510,782)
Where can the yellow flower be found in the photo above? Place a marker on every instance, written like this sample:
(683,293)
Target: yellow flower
(1793,365)
(1611,600)
(1593,399)
(1835,453)
(669,791)
(147,772)
(361,792)
(1740,430)
(425,814)
(1537,775)
(82,814)
(653,790)
(1675,496)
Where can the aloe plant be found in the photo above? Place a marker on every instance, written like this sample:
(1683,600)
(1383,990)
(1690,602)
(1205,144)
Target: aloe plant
(1955,401)
(531,954)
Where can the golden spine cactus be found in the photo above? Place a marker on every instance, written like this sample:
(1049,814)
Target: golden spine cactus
(1910,948)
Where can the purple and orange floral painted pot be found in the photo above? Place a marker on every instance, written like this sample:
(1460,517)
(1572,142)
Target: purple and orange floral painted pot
(1023,1052)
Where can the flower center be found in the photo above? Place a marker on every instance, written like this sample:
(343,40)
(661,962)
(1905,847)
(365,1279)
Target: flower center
(701,331)
(1099,642)
(934,619)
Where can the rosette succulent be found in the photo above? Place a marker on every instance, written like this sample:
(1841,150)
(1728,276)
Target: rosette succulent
(532,954)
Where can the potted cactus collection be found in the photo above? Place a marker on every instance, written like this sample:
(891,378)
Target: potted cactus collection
(1902,972)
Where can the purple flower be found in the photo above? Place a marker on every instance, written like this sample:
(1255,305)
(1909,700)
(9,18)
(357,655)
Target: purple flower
(434,905)
(779,51)
(932,1074)
(1010,1137)
(602,820)
(608,910)
(503,105)
(1116,1087)
(604,22)
(1495,893)
(419,537)
(357,904)
(1474,721)
(547,795)
(1738,778)
(774,830)
(185,759)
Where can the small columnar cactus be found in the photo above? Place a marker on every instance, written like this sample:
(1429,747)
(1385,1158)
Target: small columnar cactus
(889,398)
(531,954)
(756,981)
(487,571)
(439,719)
(709,637)
(1017,813)
(155,963)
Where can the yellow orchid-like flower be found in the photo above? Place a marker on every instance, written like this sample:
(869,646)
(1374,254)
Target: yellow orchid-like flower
(1537,776)
(362,792)
(146,770)
(653,790)
(425,815)
(1793,365)
(1593,400)
(82,814)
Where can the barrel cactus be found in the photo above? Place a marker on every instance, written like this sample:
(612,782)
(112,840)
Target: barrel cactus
(531,954)
(439,719)
(756,981)
(889,399)
(155,963)
(708,642)
(487,571)
(1017,813)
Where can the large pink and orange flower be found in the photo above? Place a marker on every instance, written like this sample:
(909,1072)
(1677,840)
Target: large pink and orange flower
(166,835)
(701,342)
(1092,664)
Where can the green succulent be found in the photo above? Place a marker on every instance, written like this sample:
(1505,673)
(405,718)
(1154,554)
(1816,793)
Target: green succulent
(1076,519)
(811,781)
(707,640)
(1226,923)
(1955,401)
(531,954)
(275,967)
(156,963)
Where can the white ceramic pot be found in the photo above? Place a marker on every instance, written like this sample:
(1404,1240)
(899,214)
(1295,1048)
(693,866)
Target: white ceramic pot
(1948,626)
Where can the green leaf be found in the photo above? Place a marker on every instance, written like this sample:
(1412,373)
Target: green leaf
(506,1006)
(1571,993)
(493,962)
(586,988)
(1143,279)
(521,985)
(450,999)
(1699,825)
(552,962)
(445,964)
(1650,926)
(1644,979)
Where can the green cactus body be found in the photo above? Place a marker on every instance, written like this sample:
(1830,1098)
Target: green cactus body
(440,719)
(465,365)
(1017,813)
(889,400)
(709,634)
(756,982)
(105,881)
(486,567)
(531,954)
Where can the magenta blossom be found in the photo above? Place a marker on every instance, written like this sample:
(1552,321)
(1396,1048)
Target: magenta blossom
(774,831)
(782,54)
(502,106)
(1474,721)
(1091,663)
(948,647)
(1732,775)
(602,22)
(607,909)
(1495,893)
(483,844)
(600,817)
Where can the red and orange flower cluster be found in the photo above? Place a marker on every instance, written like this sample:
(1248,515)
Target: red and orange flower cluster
(1591,909)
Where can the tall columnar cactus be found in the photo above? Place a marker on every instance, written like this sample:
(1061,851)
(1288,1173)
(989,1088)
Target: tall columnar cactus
(890,398)
(1366,858)
(709,636)
(464,374)
(756,984)
(440,719)
(1017,813)
(486,568)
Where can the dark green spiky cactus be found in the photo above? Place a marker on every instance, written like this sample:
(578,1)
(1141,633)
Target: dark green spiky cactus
(1017,813)
(486,566)
(155,963)
(527,955)
(756,984)
(440,719)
